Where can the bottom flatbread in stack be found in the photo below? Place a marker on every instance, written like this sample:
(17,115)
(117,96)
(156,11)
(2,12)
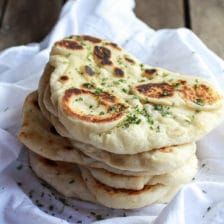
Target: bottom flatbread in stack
(67,179)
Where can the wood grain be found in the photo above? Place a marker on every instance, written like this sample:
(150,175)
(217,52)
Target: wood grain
(27,21)
(207,19)
(161,13)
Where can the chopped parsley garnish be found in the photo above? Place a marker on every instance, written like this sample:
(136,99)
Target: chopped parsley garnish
(112,109)
(141,66)
(51,207)
(131,119)
(164,110)
(116,82)
(98,91)
(90,106)
(19,167)
(38,203)
(176,85)
(79,99)
(101,113)
(88,85)
(19,184)
(99,217)
(196,84)
(119,60)
(200,102)
(71,181)
(165,93)
(124,90)
(165,75)
(122,80)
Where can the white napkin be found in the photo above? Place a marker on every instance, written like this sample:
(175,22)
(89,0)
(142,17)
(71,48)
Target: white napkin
(26,199)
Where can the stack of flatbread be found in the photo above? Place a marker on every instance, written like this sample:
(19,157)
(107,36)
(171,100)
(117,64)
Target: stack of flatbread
(105,128)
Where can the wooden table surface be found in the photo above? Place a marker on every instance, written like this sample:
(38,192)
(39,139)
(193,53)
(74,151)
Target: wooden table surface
(24,21)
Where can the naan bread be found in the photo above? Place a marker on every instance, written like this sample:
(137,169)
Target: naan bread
(182,175)
(64,177)
(155,161)
(40,136)
(105,97)
(124,198)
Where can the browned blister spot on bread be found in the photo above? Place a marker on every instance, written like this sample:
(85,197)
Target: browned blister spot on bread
(156,90)
(114,191)
(36,104)
(47,162)
(113,109)
(166,149)
(91,39)
(69,44)
(87,70)
(118,72)
(113,45)
(129,60)
(102,55)
(199,94)
(148,73)
(64,78)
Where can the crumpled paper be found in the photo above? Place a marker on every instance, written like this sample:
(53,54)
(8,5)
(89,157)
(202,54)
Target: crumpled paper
(26,199)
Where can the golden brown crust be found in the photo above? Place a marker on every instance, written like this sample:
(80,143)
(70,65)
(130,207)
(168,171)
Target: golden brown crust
(102,55)
(199,94)
(156,90)
(129,60)
(118,72)
(91,39)
(69,44)
(148,73)
(113,45)
(114,191)
(112,106)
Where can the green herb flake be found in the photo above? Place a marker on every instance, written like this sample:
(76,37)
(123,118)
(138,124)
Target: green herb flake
(19,167)
(176,85)
(165,75)
(164,110)
(119,60)
(124,90)
(101,113)
(131,119)
(98,91)
(38,204)
(71,181)
(88,85)
(51,207)
(200,102)
(99,217)
(79,99)
(19,184)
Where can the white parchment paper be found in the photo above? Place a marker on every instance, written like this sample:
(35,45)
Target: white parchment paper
(26,199)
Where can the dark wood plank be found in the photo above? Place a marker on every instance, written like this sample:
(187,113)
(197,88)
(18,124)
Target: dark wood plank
(27,21)
(2,9)
(161,13)
(207,19)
